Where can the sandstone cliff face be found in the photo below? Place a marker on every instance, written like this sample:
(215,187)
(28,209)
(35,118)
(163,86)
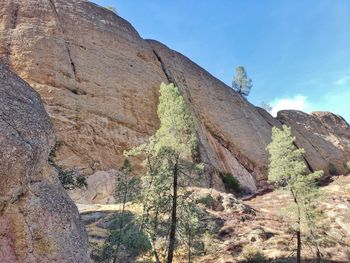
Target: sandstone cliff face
(323,135)
(38,221)
(99,80)
(226,120)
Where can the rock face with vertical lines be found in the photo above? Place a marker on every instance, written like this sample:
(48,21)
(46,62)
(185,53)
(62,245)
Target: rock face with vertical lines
(99,81)
(324,136)
(39,223)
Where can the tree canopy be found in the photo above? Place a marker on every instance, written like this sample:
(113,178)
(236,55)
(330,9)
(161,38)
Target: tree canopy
(168,160)
(241,83)
(288,170)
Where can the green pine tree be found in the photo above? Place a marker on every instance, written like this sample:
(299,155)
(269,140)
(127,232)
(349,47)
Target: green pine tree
(287,170)
(125,240)
(169,164)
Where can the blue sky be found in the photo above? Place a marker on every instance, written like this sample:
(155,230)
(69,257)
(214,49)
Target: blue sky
(297,52)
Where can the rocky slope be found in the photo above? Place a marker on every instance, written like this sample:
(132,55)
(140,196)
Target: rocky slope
(99,80)
(266,230)
(38,221)
(256,223)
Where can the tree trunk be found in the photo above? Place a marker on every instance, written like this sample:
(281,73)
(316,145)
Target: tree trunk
(298,232)
(121,226)
(154,251)
(189,248)
(172,237)
(298,247)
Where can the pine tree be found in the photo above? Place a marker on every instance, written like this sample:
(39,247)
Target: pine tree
(169,166)
(287,170)
(113,9)
(241,83)
(125,240)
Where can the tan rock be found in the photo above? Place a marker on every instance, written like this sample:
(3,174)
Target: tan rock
(102,95)
(233,133)
(100,189)
(324,136)
(38,221)
(99,80)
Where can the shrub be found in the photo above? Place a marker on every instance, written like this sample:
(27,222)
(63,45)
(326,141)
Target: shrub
(347,165)
(70,179)
(231,183)
(252,254)
(207,200)
(332,169)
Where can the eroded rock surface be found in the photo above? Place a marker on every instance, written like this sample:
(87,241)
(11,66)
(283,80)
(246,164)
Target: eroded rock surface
(324,136)
(99,81)
(38,221)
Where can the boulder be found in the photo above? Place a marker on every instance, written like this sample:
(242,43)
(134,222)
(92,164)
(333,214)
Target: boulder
(38,220)
(324,137)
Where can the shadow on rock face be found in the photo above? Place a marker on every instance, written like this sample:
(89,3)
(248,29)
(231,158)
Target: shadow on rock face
(38,221)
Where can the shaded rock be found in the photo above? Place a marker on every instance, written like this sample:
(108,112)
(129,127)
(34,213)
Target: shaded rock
(100,189)
(324,136)
(232,132)
(38,221)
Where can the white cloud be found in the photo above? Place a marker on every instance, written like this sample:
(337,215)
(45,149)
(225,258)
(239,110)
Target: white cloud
(298,102)
(342,81)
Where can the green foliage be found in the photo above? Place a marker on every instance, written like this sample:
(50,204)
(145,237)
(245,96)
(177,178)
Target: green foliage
(189,227)
(127,184)
(123,244)
(111,8)
(332,169)
(54,150)
(286,161)
(207,200)
(241,83)
(168,161)
(126,239)
(287,170)
(211,245)
(70,179)
(231,183)
(177,130)
(347,165)
(252,254)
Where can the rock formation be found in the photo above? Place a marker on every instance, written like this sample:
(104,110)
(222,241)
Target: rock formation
(324,136)
(99,81)
(38,221)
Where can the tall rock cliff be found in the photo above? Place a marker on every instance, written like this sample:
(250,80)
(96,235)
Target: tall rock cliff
(38,221)
(99,80)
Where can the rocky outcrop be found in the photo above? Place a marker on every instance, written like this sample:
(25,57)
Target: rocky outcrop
(100,189)
(99,81)
(323,135)
(38,221)
(98,78)
(225,119)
